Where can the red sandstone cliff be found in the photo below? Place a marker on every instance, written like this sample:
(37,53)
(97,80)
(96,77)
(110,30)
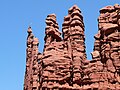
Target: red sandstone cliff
(63,64)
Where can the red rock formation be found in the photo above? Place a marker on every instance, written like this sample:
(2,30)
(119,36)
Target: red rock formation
(103,71)
(31,74)
(73,35)
(56,61)
(63,64)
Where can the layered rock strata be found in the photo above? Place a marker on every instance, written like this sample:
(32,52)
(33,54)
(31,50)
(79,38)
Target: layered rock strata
(63,64)
(56,61)
(103,71)
(73,36)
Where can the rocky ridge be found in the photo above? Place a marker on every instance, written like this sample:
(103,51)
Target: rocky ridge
(63,65)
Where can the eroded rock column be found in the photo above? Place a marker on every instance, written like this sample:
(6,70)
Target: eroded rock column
(31,74)
(56,61)
(73,35)
(28,72)
(35,69)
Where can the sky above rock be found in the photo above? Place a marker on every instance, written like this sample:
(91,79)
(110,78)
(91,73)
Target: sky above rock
(17,15)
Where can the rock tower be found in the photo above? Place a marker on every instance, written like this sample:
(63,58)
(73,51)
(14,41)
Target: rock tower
(63,65)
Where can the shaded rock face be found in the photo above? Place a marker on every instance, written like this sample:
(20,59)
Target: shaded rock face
(63,64)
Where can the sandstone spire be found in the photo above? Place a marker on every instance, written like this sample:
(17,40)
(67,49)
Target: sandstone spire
(35,69)
(51,30)
(56,61)
(73,34)
(27,84)
(30,82)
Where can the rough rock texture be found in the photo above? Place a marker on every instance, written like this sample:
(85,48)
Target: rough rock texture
(103,71)
(63,64)
(31,74)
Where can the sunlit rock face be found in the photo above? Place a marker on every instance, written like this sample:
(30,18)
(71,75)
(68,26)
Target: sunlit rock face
(63,65)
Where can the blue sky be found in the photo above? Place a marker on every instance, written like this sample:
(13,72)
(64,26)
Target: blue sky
(17,15)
